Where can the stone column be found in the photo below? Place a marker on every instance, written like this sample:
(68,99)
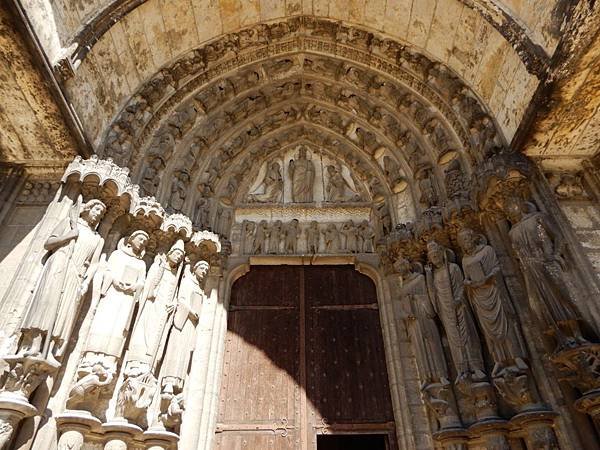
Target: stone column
(202,394)
(119,434)
(452,439)
(12,411)
(24,375)
(74,427)
(160,440)
(537,429)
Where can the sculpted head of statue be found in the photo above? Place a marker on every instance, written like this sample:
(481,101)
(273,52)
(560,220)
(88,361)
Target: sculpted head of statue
(467,239)
(93,211)
(176,253)
(436,254)
(137,241)
(201,269)
(402,266)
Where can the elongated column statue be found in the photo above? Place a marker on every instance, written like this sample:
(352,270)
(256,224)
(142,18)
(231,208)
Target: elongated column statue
(497,319)
(427,343)
(181,341)
(122,286)
(149,336)
(74,249)
(157,306)
(539,250)
(445,281)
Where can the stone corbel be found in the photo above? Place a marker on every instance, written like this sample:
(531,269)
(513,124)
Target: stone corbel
(24,375)
(580,367)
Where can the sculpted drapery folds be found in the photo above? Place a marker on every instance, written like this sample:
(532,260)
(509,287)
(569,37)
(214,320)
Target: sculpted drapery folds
(74,249)
(182,335)
(420,314)
(302,174)
(489,300)
(445,283)
(156,307)
(122,287)
(273,185)
(538,247)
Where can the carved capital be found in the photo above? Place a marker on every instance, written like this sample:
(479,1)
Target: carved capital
(580,366)
(25,374)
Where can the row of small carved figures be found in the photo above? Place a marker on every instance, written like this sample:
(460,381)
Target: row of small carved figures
(279,237)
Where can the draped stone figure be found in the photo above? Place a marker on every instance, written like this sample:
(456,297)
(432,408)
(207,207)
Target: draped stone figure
(122,286)
(156,306)
(445,283)
(338,189)
(420,317)
(423,329)
(302,173)
(313,236)
(491,305)
(292,230)
(182,336)
(273,185)
(275,234)
(261,238)
(74,249)
(350,233)
(539,250)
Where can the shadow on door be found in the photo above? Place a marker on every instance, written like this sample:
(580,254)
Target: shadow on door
(352,442)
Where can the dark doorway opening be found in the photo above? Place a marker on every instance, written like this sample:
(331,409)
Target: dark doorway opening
(352,442)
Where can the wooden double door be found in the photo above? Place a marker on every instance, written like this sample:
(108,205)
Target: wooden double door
(304,356)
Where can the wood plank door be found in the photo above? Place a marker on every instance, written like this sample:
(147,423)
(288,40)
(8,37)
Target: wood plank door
(303,356)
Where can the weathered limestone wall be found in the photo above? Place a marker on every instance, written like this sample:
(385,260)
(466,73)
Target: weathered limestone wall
(17,230)
(584,217)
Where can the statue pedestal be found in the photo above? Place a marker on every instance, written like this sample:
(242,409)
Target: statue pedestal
(536,428)
(74,426)
(13,408)
(119,433)
(159,439)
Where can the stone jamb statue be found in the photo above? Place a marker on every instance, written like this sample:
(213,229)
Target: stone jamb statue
(122,287)
(74,249)
(489,300)
(157,306)
(538,247)
(445,283)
